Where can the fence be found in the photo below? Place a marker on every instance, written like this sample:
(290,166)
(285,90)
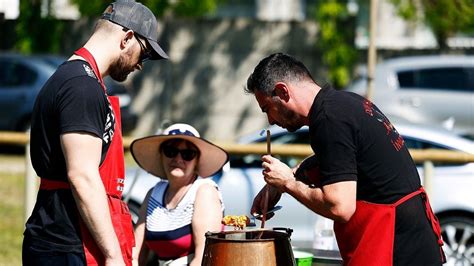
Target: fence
(428,157)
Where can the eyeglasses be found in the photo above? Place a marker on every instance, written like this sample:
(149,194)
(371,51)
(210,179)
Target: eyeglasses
(186,154)
(145,54)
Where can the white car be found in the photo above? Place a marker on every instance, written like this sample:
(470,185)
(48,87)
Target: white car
(433,90)
(452,196)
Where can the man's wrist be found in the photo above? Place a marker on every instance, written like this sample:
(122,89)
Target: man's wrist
(288,184)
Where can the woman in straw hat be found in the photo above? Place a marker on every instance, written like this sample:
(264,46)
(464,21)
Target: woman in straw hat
(184,205)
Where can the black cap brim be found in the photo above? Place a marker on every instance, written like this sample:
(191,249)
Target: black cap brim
(159,53)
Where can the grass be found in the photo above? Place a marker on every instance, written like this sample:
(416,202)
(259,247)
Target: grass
(11,209)
(12,178)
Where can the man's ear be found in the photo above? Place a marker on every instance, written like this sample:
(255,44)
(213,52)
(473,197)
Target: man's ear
(126,39)
(281,90)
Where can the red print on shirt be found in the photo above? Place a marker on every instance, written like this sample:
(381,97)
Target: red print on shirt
(395,138)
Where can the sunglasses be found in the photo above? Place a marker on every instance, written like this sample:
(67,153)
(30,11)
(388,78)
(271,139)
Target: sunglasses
(186,154)
(145,54)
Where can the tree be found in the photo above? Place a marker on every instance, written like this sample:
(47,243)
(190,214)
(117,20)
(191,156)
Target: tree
(446,18)
(181,8)
(336,40)
(37,31)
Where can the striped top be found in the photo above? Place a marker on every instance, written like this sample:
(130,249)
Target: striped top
(169,231)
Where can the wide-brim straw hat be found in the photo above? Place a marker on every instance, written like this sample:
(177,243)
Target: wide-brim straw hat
(146,151)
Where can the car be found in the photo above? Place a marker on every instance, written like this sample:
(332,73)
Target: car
(23,76)
(450,194)
(434,90)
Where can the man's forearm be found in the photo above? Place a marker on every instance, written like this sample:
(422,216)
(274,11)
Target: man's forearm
(93,207)
(317,200)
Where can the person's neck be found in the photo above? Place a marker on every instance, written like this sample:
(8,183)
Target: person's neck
(102,56)
(307,93)
(174,195)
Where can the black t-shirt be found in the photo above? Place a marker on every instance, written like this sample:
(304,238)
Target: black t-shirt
(354,141)
(72,100)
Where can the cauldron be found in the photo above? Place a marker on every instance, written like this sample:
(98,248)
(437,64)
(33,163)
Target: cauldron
(269,247)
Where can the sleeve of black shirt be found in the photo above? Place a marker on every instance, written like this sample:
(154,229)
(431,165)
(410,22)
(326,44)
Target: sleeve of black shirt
(82,106)
(334,141)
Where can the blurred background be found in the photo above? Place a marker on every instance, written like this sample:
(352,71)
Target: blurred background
(424,74)
(215,44)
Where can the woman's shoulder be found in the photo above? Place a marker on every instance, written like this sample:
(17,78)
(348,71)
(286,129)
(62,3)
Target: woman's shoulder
(160,185)
(203,184)
(203,181)
(159,188)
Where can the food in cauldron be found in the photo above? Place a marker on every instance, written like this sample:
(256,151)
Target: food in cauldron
(239,222)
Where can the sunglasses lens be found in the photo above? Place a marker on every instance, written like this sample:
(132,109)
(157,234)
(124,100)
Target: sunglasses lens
(170,152)
(188,155)
(145,56)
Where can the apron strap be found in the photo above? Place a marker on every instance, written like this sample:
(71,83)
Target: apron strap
(48,184)
(430,214)
(407,197)
(434,222)
(84,53)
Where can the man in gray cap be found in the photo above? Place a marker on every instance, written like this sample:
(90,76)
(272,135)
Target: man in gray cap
(76,146)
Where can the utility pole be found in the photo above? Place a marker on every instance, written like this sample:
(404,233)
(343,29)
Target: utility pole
(372,50)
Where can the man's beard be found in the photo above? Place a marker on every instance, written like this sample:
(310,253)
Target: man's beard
(290,119)
(119,70)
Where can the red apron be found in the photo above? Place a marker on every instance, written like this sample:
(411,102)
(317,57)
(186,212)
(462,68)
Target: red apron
(368,237)
(112,172)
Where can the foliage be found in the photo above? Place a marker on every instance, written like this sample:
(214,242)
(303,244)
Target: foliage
(445,17)
(336,40)
(39,32)
(181,8)
(36,33)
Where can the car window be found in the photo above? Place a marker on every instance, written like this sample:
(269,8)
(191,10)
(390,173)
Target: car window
(413,143)
(444,78)
(15,74)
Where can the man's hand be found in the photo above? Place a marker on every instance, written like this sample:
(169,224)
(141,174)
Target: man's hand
(276,173)
(273,197)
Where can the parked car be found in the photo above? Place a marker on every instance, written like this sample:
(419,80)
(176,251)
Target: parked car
(435,90)
(450,195)
(22,77)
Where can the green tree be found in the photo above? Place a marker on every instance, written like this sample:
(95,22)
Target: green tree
(181,8)
(446,18)
(37,31)
(336,40)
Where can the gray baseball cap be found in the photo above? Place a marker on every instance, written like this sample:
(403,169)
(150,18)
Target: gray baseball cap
(137,17)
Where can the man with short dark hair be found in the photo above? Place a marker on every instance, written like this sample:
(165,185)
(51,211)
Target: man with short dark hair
(77,150)
(362,175)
